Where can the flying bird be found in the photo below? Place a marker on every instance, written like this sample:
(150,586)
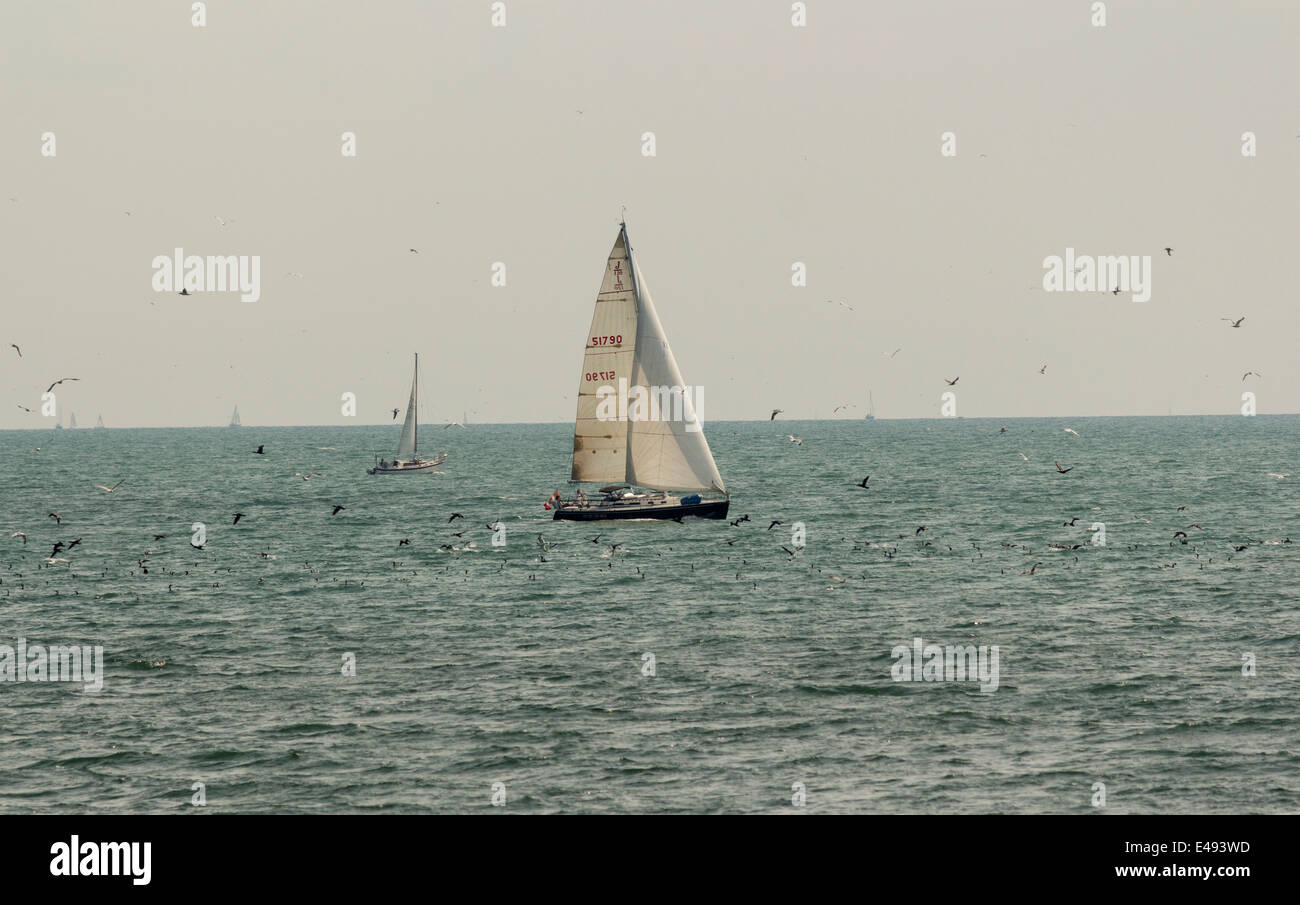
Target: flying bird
(337,509)
(1169,252)
(58,519)
(1248,373)
(774,524)
(454,516)
(793,439)
(1043,369)
(14,346)
(111,489)
(775,412)
(1064,470)
(259,451)
(1236,323)
(21,534)
(238,516)
(1070,430)
(953,382)
(863,483)
(395,411)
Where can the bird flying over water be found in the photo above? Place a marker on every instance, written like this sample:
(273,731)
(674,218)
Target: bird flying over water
(953,382)
(58,519)
(1070,430)
(1236,323)
(21,534)
(395,411)
(238,516)
(51,387)
(793,439)
(337,509)
(1169,252)
(1043,369)
(259,451)
(1064,470)
(775,412)
(454,516)
(863,483)
(111,489)
(1248,373)
(773,525)
(14,346)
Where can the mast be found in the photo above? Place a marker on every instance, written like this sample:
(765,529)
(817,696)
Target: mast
(415,399)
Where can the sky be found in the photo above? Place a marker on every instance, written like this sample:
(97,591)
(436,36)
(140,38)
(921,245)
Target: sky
(774,144)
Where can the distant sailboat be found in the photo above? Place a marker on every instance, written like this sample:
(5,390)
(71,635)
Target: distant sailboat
(99,423)
(408,459)
(72,422)
(871,407)
(58,425)
(627,345)
(234,419)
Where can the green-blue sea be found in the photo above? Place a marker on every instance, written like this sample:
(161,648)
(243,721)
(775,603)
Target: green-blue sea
(647,667)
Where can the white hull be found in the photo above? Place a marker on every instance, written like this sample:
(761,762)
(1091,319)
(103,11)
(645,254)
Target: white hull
(408,467)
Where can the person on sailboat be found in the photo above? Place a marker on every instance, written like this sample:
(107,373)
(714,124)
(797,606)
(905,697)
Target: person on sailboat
(554,502)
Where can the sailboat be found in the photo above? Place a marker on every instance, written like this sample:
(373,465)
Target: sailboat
(871,407)
(408,460)
(651,467)
(72,422)
(99,423)
(234,419)
(58,425)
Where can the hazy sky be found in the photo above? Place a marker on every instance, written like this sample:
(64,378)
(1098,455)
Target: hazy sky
(775,144)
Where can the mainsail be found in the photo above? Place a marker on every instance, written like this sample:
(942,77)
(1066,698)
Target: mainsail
(234,418)
(406,446)
(627,341)
(73,421)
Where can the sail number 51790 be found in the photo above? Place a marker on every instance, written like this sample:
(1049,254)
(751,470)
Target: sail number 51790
(607,340)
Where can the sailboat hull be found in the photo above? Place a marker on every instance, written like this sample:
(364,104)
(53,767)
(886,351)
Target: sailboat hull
(408,467)
(602,510)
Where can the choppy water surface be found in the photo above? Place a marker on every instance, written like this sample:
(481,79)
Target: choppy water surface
(1119,664)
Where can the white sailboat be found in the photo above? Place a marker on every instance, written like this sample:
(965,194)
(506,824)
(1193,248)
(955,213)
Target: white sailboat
(408,460)
(72,422)
(234,419)
(653,464)
(99,423)
(871,407)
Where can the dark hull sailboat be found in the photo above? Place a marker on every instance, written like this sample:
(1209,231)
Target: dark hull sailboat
(637,429)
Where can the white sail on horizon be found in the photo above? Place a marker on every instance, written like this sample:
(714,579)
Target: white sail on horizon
(627,341)
(406,445)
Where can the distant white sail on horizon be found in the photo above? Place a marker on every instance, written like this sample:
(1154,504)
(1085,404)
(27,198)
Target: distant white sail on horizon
(234,418)
(72,421)
(406,445)
(627,341)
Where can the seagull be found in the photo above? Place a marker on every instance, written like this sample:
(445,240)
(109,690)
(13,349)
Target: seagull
(842,305)
(1178,534)
(1022,455)
(1064,470)
(404,542)
(14,346)
(25,408)
(454,424)
(413,251)
(258,451)
(1043,369)
(111,489)
(1070,523)
(844,406)
(1236,323)
(773,525)
(863,484)
(238,516)
(21,534)
(793,439)
(1248,373)
(395,411)
(1032,569)
(775,412)
(919,530)
(1274,474)
(337,509)
(893,353)
(953,382)
(58,519)
(1070,430)
(454,516)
